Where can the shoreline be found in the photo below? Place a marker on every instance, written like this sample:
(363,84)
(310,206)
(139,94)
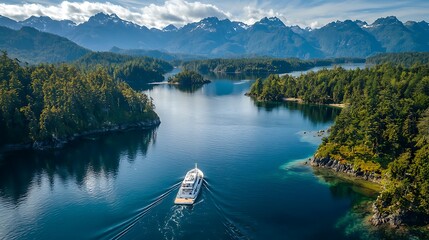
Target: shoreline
(185,85)
(56,143)
(346,168)
(359,180)
(300,101)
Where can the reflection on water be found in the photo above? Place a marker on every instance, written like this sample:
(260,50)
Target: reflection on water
(187,89)
(354,224)
(141,86)
(234,76)
(93,157)
(312,112)
(347,66)
(343,186)
(224,87)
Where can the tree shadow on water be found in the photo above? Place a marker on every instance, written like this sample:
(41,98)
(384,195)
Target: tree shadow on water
(314,113)
(98,156)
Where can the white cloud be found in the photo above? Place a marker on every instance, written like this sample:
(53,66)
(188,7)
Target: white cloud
(313,13)
(178,12)
(314,25)
(75,11)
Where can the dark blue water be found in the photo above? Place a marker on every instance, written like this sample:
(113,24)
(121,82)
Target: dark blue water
(122,185)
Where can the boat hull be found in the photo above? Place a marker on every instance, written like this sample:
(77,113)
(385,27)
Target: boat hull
(190,199)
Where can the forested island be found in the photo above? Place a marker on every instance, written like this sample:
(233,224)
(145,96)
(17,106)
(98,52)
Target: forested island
(46,106)
(188,78)
(131,69)
(262,65)
(382,135)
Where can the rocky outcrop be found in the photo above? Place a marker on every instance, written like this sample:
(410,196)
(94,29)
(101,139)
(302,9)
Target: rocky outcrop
(57,142)
(382,215)
(347,168)
(379,218)
(396,217)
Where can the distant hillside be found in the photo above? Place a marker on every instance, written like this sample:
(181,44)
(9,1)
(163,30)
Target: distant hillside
(156,54)
(132,69)
(345,39)
(105,59)
(32,46)
(394,36)
(405,59)
(262,65)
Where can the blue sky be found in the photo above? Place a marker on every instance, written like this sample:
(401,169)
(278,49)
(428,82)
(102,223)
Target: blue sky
(159,13)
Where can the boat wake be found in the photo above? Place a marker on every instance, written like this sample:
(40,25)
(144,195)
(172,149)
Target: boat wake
(171,227)
(231,228)
(124,227)
(172,224)
(241,82)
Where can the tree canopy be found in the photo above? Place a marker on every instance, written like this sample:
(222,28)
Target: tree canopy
(188,78)
(406,58)
(124,67)
(262,65)
(45,102)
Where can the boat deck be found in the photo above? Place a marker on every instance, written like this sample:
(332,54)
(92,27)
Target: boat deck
(183,201)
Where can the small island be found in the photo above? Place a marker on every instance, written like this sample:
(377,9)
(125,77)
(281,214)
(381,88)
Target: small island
(188,78)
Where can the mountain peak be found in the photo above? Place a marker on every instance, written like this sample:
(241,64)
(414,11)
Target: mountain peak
(100,15)
(10,23)
(108,19)
(390,20)
(32,18)
(271,21)
(210,20)
(103,18)
(210,24)
(170,28)
(347,24)
(360,23)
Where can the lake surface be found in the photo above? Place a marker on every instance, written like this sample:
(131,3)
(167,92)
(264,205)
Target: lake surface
(122,185)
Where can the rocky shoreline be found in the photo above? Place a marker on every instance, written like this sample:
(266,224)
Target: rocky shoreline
(378,218)
(393,220)
(56,142)
(347,168)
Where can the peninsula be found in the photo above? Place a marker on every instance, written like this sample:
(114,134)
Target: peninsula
(47,106)
(381,134)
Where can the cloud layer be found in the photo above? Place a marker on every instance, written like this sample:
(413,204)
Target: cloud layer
(313,13)
(178,12)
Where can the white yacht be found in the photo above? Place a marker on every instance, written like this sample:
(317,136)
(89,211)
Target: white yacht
(191,185)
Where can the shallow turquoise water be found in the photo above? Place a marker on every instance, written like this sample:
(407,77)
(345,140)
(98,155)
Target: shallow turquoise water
(123,185)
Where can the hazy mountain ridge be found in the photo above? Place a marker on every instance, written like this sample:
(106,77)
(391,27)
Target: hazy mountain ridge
(32,46)
(395,36)
(345,39)
(212,37)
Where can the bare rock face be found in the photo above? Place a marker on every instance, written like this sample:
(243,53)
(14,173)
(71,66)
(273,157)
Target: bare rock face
(344,168)
(379,218)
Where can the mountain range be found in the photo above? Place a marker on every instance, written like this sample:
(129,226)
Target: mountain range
(33,46)
(212,37)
